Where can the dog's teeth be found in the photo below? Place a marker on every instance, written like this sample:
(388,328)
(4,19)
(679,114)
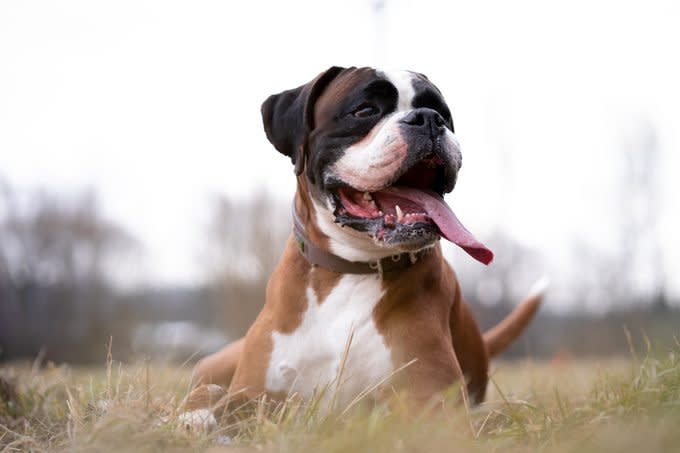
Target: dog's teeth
(400,214)
(367,196)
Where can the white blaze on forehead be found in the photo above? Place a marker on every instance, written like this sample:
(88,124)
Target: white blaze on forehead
(403,81)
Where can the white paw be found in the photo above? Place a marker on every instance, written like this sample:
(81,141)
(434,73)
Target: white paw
(223,440)
(199,420)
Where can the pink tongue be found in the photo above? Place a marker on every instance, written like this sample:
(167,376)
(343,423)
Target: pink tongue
(447,222)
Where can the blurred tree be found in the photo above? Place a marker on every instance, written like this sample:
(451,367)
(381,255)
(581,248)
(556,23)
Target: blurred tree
(56,256)
(245,239)
(641,263)
(633,271)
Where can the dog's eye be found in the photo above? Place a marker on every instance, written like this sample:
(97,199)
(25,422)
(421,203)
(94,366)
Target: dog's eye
(365,111)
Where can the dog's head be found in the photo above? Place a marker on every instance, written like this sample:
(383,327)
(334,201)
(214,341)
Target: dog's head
(375,152)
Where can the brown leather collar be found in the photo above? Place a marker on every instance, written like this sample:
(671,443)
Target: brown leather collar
(317,256)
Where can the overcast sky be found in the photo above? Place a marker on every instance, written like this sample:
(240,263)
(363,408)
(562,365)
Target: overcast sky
(156,105)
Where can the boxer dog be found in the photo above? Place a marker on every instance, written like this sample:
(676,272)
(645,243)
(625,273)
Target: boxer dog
(362,298)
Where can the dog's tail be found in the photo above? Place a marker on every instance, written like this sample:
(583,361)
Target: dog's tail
(505,332)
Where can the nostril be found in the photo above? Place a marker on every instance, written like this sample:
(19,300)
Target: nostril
(415,118)
(438,120)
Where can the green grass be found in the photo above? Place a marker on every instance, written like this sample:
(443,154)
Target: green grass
(617,405)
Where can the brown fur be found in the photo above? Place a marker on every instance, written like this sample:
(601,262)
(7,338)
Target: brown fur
(422,316)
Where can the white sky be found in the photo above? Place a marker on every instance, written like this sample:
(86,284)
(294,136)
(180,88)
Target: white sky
(156,105)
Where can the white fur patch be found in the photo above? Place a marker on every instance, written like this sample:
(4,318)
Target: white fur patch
(311,357)
(403,81)
(370,164)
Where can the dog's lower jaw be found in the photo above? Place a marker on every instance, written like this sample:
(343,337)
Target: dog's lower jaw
(353,245)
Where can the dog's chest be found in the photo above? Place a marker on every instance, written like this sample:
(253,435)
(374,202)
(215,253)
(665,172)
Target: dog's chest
(318,354)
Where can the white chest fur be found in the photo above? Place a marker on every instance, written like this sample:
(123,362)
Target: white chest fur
(311,357)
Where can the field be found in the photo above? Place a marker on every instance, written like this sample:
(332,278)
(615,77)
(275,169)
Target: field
(620,405)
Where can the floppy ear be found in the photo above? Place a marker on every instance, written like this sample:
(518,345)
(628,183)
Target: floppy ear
(288,117)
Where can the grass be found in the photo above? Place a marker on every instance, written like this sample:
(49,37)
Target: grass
(617,405)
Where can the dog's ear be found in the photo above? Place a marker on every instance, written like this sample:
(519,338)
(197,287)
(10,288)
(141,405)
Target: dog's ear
(288,117)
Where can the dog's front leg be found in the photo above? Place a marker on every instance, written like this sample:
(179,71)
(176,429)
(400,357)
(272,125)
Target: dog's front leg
(218,368)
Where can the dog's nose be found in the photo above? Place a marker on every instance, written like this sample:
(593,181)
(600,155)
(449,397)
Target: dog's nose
(427,119)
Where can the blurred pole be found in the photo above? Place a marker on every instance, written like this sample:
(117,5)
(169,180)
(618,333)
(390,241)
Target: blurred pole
(379,45)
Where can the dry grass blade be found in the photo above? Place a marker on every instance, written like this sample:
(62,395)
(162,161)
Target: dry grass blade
(372,388)
(341,371)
